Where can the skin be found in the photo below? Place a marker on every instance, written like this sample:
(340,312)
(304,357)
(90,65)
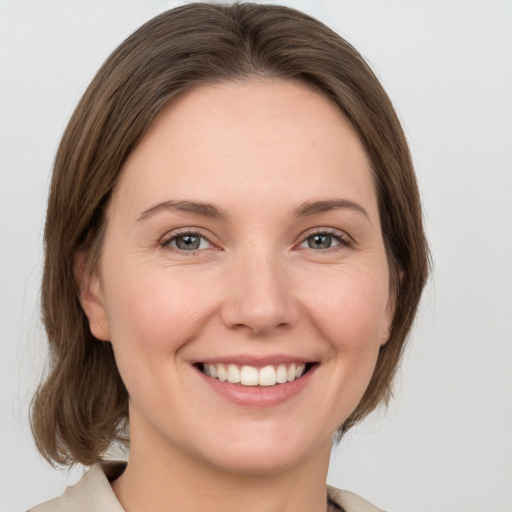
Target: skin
(257,151)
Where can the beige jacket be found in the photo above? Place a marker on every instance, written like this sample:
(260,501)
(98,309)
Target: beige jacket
(93,493)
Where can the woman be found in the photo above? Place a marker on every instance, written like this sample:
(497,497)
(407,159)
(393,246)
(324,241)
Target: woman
(234,258)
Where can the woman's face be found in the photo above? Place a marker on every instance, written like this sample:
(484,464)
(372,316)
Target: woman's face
(243,240)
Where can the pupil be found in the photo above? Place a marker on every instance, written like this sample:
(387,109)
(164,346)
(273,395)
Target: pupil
(319,241)
(188,242)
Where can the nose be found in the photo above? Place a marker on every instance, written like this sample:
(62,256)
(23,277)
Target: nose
(259,298)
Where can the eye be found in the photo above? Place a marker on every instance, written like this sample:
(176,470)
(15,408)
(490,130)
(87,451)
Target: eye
(324,240)
(186,242)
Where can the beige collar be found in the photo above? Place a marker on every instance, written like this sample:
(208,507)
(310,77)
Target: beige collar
(93,493)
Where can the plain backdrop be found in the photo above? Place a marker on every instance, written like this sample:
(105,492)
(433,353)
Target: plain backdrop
(444,444)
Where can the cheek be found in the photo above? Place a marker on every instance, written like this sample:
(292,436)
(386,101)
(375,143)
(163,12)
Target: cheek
(354,325)
(350,308)
(152,313)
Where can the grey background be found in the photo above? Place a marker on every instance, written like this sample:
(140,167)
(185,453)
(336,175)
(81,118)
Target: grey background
(444,443)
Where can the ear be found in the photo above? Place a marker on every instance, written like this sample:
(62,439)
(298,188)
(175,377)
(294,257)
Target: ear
(387,320)
(389,313)
(91,299)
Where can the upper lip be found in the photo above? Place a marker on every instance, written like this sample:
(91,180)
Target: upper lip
(256,361)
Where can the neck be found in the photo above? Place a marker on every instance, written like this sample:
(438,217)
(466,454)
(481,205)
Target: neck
(171,480)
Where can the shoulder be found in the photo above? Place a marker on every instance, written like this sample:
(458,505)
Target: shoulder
(349,501)
(92,493)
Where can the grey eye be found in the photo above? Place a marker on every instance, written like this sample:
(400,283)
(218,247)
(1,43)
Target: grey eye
(320,241)
(323,240)
(188,242)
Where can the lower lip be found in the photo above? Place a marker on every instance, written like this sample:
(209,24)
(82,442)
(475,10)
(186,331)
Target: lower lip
(258,396)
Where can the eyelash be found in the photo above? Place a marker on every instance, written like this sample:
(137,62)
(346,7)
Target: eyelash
(344,241)
(186,232)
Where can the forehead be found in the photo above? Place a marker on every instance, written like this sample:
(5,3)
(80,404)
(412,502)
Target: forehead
(259,139)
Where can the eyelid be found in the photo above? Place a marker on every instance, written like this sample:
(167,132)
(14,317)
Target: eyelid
(344,239)
(170,235)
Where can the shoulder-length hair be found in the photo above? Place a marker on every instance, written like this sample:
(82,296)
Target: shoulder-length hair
(82,405)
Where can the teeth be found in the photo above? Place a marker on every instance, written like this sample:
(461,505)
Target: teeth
(233,374)
(291,373)
(281,374)
(251,376)
(267,376)
(221,373)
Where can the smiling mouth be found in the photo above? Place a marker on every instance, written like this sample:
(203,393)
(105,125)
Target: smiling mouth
(270,375)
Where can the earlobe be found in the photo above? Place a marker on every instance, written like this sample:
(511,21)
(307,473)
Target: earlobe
(386,332)
(91,299)
(389,315)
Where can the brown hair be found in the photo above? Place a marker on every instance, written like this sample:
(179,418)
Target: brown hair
(81,406)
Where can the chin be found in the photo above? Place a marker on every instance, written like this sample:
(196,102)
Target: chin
(263,452)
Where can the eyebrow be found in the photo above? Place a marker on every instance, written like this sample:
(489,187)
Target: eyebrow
(196,208)
(208,210)
(315,207)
